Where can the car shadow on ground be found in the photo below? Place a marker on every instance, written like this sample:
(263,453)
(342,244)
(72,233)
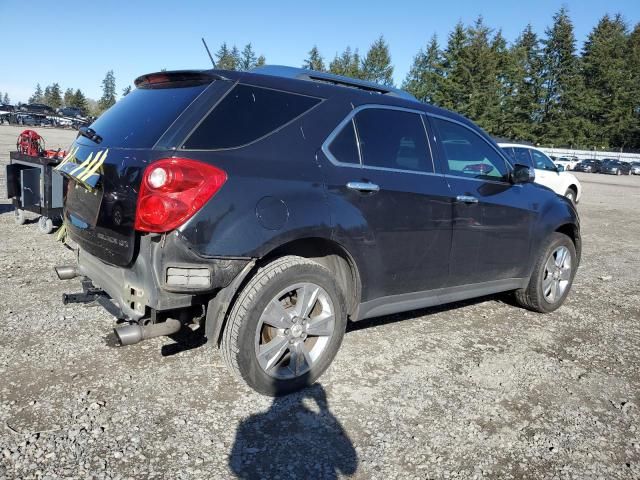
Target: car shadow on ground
(297,437)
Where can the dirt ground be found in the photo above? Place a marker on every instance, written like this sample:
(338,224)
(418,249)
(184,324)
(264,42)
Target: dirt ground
(469,390)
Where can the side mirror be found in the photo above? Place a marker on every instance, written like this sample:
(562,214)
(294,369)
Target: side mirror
(522,174)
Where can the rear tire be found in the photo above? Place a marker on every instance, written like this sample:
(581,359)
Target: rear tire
(552,276)
(270,310)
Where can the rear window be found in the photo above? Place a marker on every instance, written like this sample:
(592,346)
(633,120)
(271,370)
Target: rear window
(139,119)
(246,114)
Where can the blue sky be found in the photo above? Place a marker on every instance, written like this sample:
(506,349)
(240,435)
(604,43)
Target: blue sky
(76,42)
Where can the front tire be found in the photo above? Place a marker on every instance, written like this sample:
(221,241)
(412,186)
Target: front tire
(285,327)
(570,194)
(552,276)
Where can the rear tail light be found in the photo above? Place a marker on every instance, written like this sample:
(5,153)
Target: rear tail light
(173,190)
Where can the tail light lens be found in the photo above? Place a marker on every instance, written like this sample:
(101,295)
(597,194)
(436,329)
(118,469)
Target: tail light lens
(173,190)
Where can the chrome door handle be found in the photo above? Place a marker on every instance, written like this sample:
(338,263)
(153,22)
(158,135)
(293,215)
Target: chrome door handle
(466,199)
(363,186)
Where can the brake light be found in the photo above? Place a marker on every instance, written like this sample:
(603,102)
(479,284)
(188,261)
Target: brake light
(173,190)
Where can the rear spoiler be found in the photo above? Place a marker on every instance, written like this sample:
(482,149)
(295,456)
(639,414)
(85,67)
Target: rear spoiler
(196,76)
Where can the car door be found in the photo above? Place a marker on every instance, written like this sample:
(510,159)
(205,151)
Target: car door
(546,172)
(492,218)
(389,206)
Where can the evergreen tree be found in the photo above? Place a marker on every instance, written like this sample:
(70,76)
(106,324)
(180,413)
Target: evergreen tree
(563,120)
(454,95)
(227,59)
(314,61)
(5,99)
(126,90)
(424,80)
(79,101)
(37,96)
(261,61)
(347,64)
(376,66)
(108,98)
(524,101)
(633,64)
(248,58)
(68,97)
(46,97)
(607,82)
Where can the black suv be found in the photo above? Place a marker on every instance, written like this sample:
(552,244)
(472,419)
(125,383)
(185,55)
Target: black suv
(272,206)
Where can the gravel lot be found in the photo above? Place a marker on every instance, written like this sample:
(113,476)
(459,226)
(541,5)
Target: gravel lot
(469,390)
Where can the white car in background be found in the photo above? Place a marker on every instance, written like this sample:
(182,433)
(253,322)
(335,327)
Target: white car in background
(547,174)
(568,163)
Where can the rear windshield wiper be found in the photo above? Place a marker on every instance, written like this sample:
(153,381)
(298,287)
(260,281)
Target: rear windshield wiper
(90,133)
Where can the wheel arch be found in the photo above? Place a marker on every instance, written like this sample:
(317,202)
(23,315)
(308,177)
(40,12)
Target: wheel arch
(326,252)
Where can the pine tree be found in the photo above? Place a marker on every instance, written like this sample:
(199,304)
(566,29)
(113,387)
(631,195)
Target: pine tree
(37,96)
(79,101)
(126,90)
(347,64)
(227,60)
(524,100)
(261,61)
(607,82)
(633,63)
(376,66)
(46,97)
(5,99)
(68,97)
(108,98)
(424,80)
(314,61)
(563,119)
(454,95)
(248,58)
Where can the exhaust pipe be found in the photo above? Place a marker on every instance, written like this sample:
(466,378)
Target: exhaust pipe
(130,334)
(66,272)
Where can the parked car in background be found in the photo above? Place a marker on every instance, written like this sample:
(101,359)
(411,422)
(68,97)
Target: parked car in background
(70,112)
(590,165)
(567,162)
(616,167)
(272,206)
(547,173)
(635,168)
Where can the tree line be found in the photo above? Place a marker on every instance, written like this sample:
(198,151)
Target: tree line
(538,89)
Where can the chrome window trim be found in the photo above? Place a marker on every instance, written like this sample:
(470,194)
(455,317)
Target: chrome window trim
(350,117)
(501,154)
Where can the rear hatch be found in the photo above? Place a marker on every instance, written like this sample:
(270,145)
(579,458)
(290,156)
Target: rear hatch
(105,171)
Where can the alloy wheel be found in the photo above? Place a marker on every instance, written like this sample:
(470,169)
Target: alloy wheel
(294,330)
(557,274)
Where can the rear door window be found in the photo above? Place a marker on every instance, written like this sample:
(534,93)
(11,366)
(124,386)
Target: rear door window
(394,139)
(522,156)
(541,161)
(246,114)
(139,119)
(467,154)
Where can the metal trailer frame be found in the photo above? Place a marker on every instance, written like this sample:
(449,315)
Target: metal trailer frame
(34,186)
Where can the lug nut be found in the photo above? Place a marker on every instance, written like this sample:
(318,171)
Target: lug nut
(286,332)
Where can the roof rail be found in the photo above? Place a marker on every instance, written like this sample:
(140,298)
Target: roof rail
(315,76)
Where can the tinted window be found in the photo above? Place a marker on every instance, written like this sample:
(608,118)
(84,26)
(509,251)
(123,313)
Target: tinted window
(246,114)
(140,118)
(541,161)
(467,154)
(522,156)
(344,147)
(393,139)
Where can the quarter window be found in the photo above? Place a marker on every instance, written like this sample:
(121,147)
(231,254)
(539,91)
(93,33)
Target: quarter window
(393,139)
(344,147)
(467,154)
(246,114)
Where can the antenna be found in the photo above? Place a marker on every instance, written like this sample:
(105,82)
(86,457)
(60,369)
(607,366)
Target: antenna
(209,53)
